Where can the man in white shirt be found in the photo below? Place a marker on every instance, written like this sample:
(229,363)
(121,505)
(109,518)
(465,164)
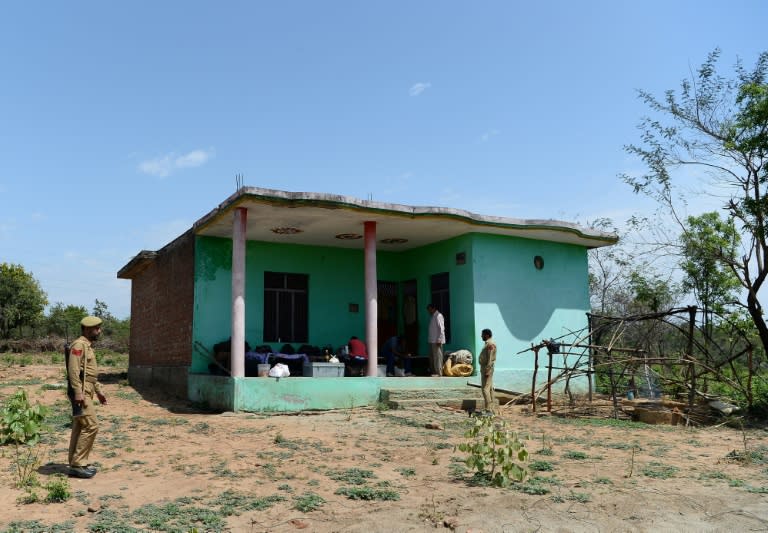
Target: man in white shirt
(436,339)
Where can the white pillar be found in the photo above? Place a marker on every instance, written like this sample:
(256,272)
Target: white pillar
(237,362)
(371,298)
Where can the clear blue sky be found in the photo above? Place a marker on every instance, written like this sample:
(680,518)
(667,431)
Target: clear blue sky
(121,123)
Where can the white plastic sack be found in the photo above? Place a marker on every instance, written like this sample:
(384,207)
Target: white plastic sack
(280,370)
(333,359)
(461,357)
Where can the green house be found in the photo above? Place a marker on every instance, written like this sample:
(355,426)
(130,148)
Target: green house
(294,270)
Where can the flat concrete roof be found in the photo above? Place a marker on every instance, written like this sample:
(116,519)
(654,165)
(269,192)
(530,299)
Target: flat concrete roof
(322,219)
(335,220)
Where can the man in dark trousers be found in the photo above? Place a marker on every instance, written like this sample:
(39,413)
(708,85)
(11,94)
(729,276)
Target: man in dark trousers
(82,374)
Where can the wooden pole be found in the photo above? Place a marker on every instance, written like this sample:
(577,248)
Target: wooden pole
(549,383)
(691,365)
(749,378)
(535,371)
(612,379)
(590,360)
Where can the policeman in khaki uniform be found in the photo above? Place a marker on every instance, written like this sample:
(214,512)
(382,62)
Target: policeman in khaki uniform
(82,375)
(487,362)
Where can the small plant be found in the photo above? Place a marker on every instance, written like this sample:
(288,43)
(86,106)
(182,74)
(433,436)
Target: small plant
(541,466)
(368,493)
(21,426)
(659,451)
(58,490)
(201,427)
(131,396)
(30,496)
(534,488)
(309,501)
(546,446)
(581,497)
(21,422)
(659,470)
(353,476)
(431,513)
(495,451)
(713,475)
(406,472)
(576,455)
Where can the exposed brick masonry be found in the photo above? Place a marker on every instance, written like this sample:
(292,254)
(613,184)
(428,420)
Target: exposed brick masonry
(162,303)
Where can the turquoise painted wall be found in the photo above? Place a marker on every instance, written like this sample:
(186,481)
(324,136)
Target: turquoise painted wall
(498,288)
(336,279)
(421,264)
(523,305)
(298,393)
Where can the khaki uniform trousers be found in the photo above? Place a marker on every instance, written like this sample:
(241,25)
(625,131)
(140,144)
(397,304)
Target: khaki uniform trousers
(84,430)
(486,382)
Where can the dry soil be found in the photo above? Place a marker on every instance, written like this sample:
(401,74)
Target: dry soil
(166,465)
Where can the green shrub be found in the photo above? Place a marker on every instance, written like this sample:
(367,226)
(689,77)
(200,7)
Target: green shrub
(495,451)
(309,501)
(21,426)
(541,466)
(368,493)
(58,490)
(21,422)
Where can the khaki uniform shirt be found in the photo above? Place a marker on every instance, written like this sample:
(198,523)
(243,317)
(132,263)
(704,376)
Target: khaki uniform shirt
(488,356)
(83,358)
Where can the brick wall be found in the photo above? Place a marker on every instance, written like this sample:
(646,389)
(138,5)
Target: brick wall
(162,303)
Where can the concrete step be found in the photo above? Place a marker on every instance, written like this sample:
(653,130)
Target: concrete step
(461,393)
(467,404)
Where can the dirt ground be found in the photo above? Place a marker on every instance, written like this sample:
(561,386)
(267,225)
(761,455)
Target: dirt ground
(165,465)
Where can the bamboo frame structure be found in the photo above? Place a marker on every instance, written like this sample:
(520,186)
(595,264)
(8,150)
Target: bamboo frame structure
(688,369)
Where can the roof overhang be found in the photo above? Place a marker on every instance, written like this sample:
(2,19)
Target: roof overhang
(141,261)
(321,219)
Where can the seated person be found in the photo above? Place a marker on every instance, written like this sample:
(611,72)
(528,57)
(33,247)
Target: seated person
(394,349)
(356,357)
(357,348)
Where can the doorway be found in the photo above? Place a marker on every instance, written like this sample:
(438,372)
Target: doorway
(411,316)
(387,310)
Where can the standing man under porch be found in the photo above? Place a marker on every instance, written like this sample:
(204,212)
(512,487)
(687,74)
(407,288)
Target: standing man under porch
(436,339)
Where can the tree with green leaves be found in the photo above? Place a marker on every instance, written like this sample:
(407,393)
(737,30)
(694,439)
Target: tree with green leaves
(22,301)
(117,330)
(719,125)
(101,310)
(706,238)
(65,320)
